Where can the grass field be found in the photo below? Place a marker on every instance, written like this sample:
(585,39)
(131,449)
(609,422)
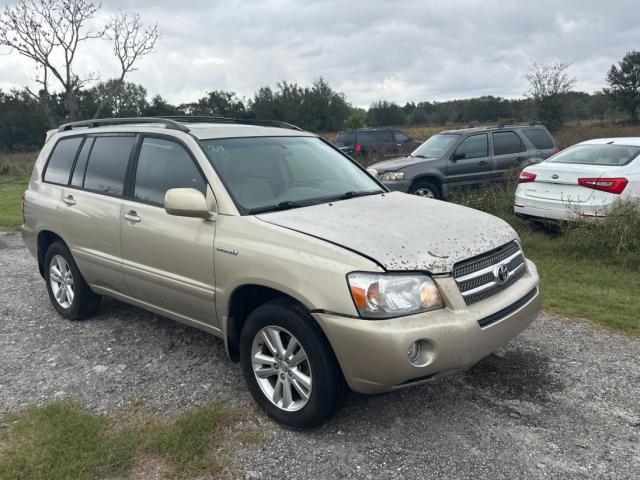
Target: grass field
(60,441)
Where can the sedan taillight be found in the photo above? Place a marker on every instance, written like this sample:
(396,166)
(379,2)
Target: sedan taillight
(610,185)
(357,148)
(526,177)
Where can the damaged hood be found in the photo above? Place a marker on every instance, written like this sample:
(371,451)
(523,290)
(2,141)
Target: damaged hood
(400,231)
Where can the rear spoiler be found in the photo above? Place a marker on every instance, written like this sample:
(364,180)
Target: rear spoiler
(50,134)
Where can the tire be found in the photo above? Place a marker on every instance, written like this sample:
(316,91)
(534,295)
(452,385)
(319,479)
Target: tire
(83,302)
(320,368)
(426,189)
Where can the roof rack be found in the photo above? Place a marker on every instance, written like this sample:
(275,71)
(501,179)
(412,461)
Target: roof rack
(240,121)
(99,122)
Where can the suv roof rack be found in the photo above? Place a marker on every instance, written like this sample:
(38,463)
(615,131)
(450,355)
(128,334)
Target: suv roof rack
(99,122)
(240,121)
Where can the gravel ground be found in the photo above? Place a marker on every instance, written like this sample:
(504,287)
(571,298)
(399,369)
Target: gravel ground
(561,401)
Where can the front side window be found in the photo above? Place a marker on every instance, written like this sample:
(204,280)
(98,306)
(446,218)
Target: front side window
(615,155)
(505,143)
(163,165)
(270,173)
(107,165)
(61,160)
(475,146)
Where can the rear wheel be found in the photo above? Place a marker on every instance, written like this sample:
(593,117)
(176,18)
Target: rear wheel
(289,366)
(427,189)
(69,293)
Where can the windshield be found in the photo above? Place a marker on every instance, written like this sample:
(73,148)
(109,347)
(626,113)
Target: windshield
(436,146)
(272,173)
(615,155)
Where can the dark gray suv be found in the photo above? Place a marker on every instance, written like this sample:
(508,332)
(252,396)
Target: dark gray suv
(468,156)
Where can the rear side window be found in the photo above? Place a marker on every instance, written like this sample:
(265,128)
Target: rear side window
(61,159)
(375,136)
(81,163)
(162,165)
(346,138)
(107,165)
(506,142)
(474,146)
(538,137)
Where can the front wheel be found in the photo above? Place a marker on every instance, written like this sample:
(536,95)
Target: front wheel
(426,189)
(289,366)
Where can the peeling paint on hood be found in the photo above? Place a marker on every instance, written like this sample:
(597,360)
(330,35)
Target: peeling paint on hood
(400,231)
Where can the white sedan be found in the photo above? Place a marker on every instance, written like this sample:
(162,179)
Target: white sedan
(584,180)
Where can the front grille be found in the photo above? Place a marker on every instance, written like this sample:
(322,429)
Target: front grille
(478,278)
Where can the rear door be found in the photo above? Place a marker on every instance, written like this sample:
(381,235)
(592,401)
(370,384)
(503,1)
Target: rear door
(167,260)
(90,221)
(509,152)
(470,162)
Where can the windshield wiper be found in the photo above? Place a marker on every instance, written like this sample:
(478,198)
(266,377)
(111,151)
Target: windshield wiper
(418,156)
(351,194)
(286,205)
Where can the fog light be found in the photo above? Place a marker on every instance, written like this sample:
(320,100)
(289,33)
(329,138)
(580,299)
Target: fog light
(414,352)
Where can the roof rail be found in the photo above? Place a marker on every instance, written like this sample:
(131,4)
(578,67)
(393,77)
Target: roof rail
(222,119)
(99,122)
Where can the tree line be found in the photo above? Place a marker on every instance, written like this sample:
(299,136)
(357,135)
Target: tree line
(51,32)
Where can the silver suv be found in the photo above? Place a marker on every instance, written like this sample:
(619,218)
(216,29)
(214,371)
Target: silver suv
(315,276)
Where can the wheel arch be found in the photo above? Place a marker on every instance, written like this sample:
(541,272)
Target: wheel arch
(45,239)
(243,300)
(436,179)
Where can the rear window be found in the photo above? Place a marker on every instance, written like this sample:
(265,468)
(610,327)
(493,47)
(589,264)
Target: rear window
(107,165)
(61,160)
(538,137)
(615,155)
(346,138)
(506,142)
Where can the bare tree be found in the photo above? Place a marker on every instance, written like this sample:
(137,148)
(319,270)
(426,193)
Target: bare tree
(49,33)
(132,40)
(547,84)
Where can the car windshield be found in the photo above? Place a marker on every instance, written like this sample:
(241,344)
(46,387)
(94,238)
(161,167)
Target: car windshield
(615,155)
(436,146)
(275,173)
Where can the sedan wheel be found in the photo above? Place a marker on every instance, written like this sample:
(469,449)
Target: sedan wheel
(281,368)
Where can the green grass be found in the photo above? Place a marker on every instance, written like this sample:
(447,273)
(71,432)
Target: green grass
(11,190)
(62,441)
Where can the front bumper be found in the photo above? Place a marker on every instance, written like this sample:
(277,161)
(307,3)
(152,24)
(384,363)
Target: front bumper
(398,186)
(373,353)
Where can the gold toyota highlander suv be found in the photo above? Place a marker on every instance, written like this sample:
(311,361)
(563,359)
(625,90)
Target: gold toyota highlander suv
(314,274)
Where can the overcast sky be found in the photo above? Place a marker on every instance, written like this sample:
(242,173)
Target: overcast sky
(370,50)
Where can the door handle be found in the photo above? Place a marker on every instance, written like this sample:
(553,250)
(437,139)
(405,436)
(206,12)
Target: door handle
(69,200)
(132,216)
(519,159)
(483,162)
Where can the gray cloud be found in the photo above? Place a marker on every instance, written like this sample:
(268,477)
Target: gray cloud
(370,50)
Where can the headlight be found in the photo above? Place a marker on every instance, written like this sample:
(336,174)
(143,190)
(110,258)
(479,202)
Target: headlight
(392,176)
(379,295)
(373,172)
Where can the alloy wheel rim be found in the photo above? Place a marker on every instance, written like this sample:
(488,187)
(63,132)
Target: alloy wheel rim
(425,192)
(281,368)
(61,281)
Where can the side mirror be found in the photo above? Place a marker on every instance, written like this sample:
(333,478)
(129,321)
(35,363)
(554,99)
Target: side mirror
(458,156)
(186,202)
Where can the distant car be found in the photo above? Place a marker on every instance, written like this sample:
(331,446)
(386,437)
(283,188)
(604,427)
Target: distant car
(469,156)
(584,180)
(367,141)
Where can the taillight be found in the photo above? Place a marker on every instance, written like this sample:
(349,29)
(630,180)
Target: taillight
(610,185)
(357,148)
(526,177)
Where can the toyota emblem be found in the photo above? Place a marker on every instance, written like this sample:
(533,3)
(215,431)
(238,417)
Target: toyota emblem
(502,273)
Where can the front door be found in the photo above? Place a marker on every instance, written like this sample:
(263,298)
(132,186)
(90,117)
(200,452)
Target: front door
(470,162)
(167,260)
